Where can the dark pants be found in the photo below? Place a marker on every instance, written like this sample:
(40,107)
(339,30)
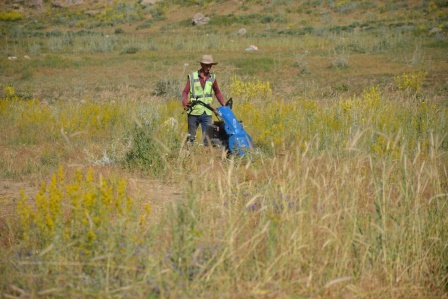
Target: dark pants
(193,124)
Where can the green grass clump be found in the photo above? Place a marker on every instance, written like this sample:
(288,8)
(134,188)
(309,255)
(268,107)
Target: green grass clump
(148,152)
(130,50)
(10,16)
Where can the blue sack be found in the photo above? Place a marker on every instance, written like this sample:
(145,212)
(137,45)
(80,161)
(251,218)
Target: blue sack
(238,140)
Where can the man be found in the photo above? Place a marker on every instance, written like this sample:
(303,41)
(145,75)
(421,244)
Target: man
(198,91)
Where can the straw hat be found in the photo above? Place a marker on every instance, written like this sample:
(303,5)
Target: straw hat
(207,59)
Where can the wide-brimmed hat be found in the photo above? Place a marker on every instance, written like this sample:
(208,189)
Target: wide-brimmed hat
(207,59)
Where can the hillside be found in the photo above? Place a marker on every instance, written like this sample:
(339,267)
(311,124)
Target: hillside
(334,46)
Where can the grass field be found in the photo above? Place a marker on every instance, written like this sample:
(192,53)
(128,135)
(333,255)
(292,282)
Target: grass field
(344,195)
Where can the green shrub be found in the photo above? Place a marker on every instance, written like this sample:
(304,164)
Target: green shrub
(144,25)
(157,12)
(145,153)
(100,44)
(130,50)
(26,72)
(167,87)
(338,62)
(10,16)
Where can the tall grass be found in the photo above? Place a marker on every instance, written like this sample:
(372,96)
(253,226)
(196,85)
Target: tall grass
(338,198)
(343,196)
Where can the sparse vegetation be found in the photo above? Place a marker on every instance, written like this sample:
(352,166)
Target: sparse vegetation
(344,194)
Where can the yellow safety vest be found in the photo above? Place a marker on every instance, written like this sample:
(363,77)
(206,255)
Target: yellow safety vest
(197,93)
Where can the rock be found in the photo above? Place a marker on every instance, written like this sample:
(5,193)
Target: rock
(199,20)
(92,12)
(252,48)
(35,3)
(73,2)
(57,4)
(435,30)
(66,3)
(242,31)
(145,3)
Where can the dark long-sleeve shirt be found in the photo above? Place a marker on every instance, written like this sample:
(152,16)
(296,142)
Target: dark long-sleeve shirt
(215,87)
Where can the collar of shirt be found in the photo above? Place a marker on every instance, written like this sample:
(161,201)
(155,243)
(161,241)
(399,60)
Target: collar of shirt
(202,79)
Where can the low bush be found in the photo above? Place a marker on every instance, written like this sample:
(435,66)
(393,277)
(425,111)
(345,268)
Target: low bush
(10,16)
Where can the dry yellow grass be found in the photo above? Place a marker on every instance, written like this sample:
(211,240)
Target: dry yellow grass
(344,197)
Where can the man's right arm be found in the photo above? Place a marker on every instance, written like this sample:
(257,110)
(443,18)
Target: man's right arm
(185,92)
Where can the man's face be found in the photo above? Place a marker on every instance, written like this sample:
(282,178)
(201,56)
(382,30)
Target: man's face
(206,68)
